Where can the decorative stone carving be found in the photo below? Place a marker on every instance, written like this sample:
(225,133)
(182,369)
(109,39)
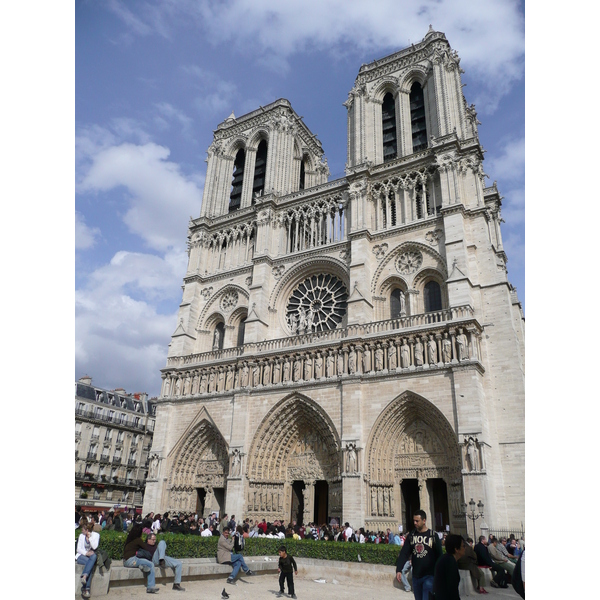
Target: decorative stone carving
(351,458)
(278,271)
(462,347)
(229,301)
(206,292)
(418,353)
(318,304)
(409,262)
(446,349)
(236,462)
(472,454)
(433,236)
(380,250)
(154,469)
(431,351)
(405,355)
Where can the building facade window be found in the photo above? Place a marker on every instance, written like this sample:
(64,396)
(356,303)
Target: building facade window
(260,170)
(417,117)
(388,121)
(235,198)
(432,296)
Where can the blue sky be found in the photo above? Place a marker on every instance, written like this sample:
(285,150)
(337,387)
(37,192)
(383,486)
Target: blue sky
(153,80)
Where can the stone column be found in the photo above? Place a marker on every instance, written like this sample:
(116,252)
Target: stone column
(424,500)
(309,502)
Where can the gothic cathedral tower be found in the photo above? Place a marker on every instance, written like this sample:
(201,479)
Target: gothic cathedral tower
(348,349)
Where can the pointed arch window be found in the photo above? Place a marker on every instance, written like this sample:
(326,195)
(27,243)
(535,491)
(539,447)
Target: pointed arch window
(388,121)
(241,332)
(218,336)
(238,179)
(302,173)
(260,170)
(397,304)
(417,117)
(432,296)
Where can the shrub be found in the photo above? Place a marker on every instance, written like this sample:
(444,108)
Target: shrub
(194,546)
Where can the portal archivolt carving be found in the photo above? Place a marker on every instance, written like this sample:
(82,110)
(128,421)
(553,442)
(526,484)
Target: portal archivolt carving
(295,441)
(411,439)
(201,459)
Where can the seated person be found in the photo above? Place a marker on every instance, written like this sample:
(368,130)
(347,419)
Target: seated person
(500,556)
(468,562)
(133,544)
(87,543)
(225,555)
(485,560)
(160,559)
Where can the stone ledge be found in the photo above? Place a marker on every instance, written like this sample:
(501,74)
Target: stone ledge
(193,568)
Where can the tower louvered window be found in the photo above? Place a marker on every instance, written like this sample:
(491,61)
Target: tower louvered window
(388,118)
(238,179)
(417,117)
(260,170)
(302,174)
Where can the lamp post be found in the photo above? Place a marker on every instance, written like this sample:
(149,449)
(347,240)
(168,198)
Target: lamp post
(473,514)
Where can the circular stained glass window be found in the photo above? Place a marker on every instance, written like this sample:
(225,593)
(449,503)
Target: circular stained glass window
(317,304)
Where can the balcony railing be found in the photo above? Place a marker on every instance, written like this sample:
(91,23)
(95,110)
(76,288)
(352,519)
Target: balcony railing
(131,462)
(104,458)
(346,333)
(92,455)
(116,460)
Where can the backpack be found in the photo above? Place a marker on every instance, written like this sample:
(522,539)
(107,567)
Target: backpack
(103,561)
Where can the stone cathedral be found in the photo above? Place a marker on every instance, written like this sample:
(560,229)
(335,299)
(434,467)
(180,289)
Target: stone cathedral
(348,349)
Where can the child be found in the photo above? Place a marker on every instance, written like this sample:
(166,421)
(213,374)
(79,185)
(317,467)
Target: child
(287,564)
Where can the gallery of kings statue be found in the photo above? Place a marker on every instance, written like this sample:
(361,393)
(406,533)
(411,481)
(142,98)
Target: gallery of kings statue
(348,349)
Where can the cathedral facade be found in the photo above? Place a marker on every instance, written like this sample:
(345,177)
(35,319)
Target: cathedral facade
(348,349)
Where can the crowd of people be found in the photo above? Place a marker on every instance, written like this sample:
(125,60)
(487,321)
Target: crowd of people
(420,551)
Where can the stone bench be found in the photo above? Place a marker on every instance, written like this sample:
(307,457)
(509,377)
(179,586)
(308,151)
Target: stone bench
(193,569)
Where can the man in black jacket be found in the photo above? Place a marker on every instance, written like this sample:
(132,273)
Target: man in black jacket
(485,560)
(423,546)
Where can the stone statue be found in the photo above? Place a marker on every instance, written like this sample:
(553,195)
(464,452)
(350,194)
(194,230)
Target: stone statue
(352,361)
(267,374)
(405,355)
(386,502)
(236,461)
(373,501)
(216,340)
(229,381)
(203,381)
(286,370)
(352,465)
(154,467)
(245,373)
(187,384)
(392,357)
(379,500)
(378,358)
(255,375)
(293,321)
(432,351)
(418,353)
(472,455)
(195,384)
(167,386)
(461,343)
(307,368)
(367,360)
(402,304)
(340,363)
(446,349)
(330,364)
(276,371)
(297,369)
(211,382)
(310,316)
(318,367)
(301,320)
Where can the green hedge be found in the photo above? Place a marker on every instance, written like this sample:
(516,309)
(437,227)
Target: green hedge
(193,546)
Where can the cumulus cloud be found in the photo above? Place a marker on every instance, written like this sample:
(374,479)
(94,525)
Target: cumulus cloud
(509,162)
(85,237)
(490,35)
(161,198)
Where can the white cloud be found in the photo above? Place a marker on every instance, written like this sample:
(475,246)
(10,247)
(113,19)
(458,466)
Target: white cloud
(85,237)
(216,94)
(122,338)
(161,198)
(167,113)
(509,164)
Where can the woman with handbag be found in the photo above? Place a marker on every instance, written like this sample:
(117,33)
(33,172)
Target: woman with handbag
(136,555)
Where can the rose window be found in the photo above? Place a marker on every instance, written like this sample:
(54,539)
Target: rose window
(409,262)
(317,304)
(229,300)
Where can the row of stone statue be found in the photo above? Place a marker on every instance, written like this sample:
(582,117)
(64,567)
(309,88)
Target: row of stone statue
(262,497)
(418,351)
(382,501)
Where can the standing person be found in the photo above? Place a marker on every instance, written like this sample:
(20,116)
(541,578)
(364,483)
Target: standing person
(225,555)
(87,543)
(160,559)
(423,546)
(518,578)
(406,569)
(287,567)
(224,523)
(133,543)
(447,578)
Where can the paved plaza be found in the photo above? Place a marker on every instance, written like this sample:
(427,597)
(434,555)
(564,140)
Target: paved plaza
(264,587)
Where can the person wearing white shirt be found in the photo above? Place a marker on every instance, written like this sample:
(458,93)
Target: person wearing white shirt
(156,525)
(348,531)
(206,532)
(86,544)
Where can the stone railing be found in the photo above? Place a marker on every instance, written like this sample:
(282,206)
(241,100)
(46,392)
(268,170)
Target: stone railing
(345,333)
(381,352)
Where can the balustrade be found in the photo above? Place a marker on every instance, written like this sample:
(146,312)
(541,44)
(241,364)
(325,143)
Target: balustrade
(433,347)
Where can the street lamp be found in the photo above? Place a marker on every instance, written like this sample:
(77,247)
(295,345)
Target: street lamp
(472,514)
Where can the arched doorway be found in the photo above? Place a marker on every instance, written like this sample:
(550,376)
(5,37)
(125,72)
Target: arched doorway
(413,462)
(294,470)
(200,465)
